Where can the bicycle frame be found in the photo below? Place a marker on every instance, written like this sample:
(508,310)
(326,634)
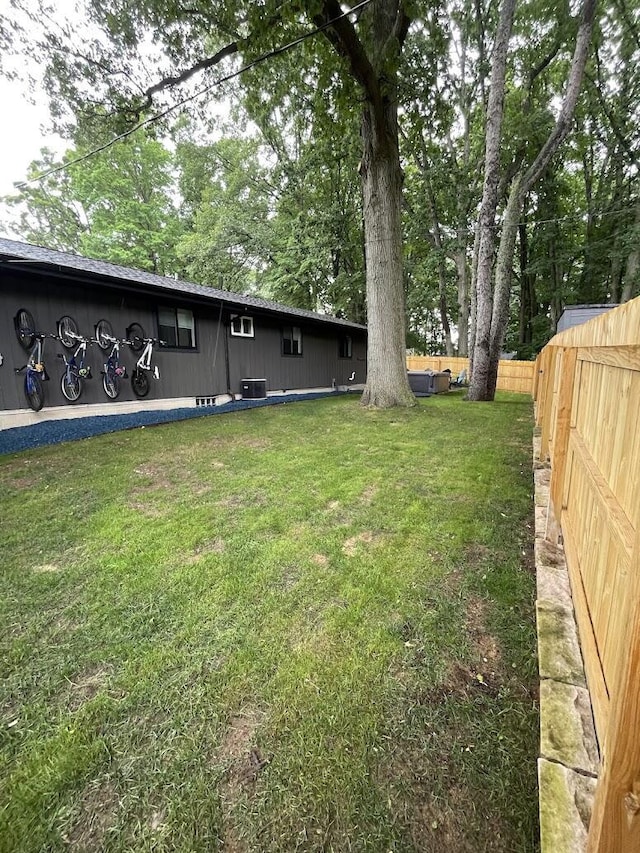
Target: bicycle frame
(75,373)
(35,374)
(35,363)
(144,362)
(72,365)
(112,364)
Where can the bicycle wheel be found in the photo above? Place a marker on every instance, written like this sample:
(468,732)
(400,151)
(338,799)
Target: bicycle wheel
(33,390)
(71,385)
(135,336)
(140,382)
(67,328)
(103,333)
(111,384)
(25,328)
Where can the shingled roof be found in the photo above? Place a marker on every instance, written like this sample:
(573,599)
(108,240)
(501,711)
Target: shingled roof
(13,251)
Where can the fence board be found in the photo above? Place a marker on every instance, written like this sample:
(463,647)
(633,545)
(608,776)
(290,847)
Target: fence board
(587,391)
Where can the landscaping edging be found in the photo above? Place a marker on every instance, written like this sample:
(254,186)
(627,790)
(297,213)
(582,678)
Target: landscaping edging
(569,758)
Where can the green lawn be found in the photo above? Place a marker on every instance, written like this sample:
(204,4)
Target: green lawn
(307,627)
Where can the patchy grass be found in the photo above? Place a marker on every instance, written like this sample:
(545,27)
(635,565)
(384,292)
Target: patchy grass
(304,627)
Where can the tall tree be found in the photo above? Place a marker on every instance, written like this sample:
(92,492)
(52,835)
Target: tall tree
(493,302)
(368,44)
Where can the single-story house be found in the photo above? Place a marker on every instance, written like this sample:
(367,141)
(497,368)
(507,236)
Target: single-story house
(215,340)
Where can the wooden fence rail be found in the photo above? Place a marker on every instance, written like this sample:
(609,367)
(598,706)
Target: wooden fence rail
(515,376)
(587,391)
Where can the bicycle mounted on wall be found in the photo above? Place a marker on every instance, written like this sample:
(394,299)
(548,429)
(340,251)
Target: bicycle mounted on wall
(112,371)
(34,370)
(137,341)
(76,370)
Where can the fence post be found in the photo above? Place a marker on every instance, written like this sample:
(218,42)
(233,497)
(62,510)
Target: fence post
(547,402)
(562,428)
(615,822)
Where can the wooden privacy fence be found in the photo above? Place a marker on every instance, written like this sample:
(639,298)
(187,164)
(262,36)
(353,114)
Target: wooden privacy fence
(587,388)
(515,376)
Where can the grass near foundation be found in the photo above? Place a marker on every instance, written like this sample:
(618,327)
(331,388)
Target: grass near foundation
(305,627)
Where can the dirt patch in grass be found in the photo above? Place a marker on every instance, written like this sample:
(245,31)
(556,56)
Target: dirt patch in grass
(484,646)
(369,494)
(46,568)
(241,757)
(476,554)
(243,501)
(367,537)
(289,578)
(148,509)
(320,560)
(98,815)
(425,787)
(216,545)
(253,443)
(168,475)
(87,685)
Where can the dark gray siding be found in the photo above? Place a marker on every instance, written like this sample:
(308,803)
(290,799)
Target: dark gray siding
(183,373)
(319,365)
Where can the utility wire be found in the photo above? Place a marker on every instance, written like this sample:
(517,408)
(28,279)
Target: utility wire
(218,82)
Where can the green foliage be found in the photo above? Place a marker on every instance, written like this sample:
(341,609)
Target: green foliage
(228,197)
(114,206)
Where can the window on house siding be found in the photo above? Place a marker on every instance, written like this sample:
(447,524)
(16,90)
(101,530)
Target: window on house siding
(291,340)
(242,326)
(177,328)
(346,347)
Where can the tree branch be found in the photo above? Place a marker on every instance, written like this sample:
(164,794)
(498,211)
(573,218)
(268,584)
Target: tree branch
(563,124)
(344,38)
(208,62)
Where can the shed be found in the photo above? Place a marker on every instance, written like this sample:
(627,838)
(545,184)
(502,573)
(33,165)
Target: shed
(575,315)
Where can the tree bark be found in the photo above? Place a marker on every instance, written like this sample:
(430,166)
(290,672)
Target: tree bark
(504,270)
(493,309)
(462,268)
(632,268)
(387,384)
(372,62)
(478,388)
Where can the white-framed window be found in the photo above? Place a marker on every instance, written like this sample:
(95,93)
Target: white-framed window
(242,326)
(177,328)
(291,340)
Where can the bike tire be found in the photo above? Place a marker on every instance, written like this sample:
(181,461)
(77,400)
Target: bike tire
(71,386)
(34,391)
(67,326)
(25,328)
(140,382)
(135,336)
(103,332)
(111,384)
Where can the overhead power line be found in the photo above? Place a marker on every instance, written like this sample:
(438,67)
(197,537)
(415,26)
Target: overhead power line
(218,82)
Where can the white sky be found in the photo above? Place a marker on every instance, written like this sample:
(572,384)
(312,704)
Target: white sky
(23,135)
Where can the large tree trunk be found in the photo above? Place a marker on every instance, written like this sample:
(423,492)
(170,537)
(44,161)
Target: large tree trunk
(387,382)
(528,303)
(504,270)
(478,388)
(372,55)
